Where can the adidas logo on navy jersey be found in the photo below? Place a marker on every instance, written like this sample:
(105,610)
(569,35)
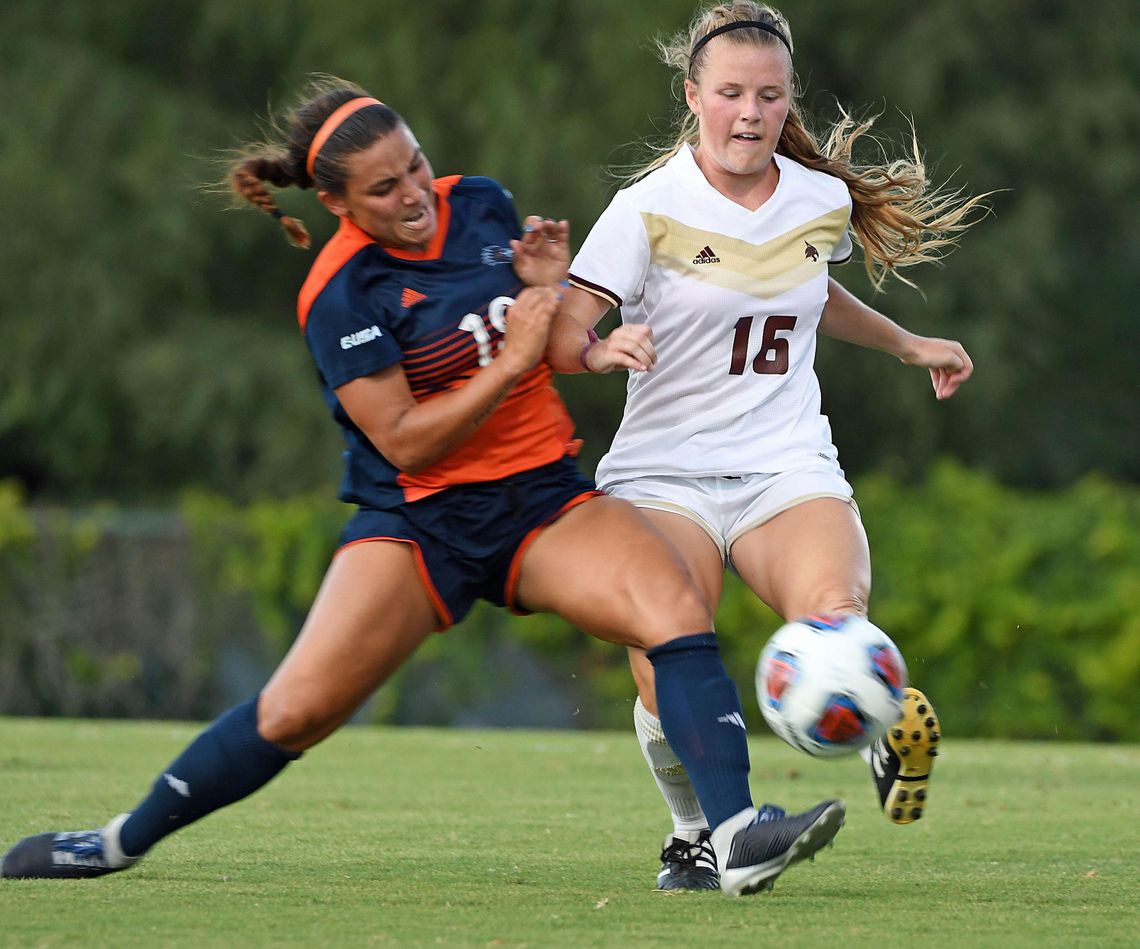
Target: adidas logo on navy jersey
(706,256)
(811,252)
(411,297)
(361,337)
(493,255)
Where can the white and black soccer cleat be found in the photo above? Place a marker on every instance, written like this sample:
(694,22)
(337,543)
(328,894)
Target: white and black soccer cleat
(902,759)
(755,848)
(688,864)
(68,855)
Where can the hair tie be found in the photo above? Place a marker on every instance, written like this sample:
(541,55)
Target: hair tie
(332,123)
(738,25)
(591,342)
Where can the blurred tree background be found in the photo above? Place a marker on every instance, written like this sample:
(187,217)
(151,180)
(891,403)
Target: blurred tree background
(148,334)
(148,341)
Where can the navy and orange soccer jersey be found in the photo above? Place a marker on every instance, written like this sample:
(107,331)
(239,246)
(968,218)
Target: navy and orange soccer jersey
(440,314)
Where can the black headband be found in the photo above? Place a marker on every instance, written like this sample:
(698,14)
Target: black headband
(738,25)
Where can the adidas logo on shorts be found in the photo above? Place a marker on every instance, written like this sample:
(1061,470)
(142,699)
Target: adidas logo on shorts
(706,256)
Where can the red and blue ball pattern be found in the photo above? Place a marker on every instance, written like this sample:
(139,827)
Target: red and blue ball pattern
(841,723)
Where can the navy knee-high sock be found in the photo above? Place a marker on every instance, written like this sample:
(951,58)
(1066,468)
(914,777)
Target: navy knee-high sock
(701,716)
(225,763)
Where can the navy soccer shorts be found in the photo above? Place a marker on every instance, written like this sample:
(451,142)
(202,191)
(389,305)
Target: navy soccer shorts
(469,539)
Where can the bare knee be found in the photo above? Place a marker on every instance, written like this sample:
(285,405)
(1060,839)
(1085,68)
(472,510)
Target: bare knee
(294,723)
(662,616)
(834,601)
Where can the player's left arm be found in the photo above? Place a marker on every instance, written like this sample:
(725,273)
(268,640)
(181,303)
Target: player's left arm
(574,347)
(848,318)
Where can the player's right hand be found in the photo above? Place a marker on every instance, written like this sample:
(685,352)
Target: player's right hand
(629,346)
(528,326)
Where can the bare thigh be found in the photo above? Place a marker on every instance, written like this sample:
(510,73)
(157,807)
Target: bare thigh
(811,558)
(702,559)
(371,613)
(603,567)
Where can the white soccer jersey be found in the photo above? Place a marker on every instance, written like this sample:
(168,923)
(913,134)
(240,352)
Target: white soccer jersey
(734,298)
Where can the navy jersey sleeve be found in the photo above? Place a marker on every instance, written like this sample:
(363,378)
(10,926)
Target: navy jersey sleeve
(349,341)
(493,194)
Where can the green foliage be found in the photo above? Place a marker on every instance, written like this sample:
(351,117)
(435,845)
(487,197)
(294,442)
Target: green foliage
(275,552)
(97,616)
(149,339)
(16,528)
(1014,609)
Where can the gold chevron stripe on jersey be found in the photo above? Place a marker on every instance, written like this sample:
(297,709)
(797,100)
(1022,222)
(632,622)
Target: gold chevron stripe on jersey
(762,270)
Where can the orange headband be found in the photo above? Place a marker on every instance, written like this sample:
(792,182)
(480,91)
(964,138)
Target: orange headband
(332,123)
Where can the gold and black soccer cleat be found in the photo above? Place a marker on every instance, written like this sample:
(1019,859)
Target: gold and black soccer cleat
(901,760)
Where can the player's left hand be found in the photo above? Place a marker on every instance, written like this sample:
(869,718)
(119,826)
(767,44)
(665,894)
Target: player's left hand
(528,327)
(949,363)
(542,254)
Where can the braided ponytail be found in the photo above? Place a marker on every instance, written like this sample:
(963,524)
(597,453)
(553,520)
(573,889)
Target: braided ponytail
(248,180)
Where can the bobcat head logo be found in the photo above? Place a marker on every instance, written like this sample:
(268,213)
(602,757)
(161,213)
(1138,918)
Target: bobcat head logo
(811,252)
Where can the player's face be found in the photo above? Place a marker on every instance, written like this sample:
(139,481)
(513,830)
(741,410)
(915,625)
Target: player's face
(741,99)
(388,192)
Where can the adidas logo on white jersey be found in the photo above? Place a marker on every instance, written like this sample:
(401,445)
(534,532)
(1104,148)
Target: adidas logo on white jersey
(706,256)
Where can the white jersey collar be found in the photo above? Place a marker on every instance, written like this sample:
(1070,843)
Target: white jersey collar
(684,166)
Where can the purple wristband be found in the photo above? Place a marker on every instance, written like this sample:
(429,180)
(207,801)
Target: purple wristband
(591,342)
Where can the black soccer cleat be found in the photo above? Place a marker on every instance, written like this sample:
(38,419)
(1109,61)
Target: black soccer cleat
(688,865)
(771,842)
(901,760)
(68,855)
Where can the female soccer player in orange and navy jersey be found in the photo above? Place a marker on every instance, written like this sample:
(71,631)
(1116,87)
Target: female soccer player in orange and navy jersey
(460,454)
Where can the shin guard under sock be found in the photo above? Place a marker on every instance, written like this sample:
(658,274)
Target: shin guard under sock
(672,779)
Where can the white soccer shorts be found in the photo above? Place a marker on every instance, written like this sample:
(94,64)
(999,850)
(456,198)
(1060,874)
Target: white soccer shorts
(726,508)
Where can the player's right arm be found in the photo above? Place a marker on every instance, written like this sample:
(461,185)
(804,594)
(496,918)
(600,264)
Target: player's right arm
(413,435)
(614,259)
(570,349)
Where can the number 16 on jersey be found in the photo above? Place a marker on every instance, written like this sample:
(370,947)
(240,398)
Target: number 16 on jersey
(773,356)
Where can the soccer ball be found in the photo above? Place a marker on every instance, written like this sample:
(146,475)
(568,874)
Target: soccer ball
(830,685)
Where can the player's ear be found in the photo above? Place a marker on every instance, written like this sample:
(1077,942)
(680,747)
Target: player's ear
(691,97)
(334,203)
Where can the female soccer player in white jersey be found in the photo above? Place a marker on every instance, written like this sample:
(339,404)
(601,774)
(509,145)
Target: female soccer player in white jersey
(718,257)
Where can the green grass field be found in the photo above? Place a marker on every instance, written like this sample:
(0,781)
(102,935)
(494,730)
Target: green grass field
(423,837)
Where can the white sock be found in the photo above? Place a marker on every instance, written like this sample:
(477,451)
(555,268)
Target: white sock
(672,779)
(723,833)
(112,851)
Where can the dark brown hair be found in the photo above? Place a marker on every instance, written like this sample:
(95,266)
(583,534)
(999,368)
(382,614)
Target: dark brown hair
(281,161)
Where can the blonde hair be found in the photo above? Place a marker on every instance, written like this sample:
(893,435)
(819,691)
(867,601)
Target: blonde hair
(897,218)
